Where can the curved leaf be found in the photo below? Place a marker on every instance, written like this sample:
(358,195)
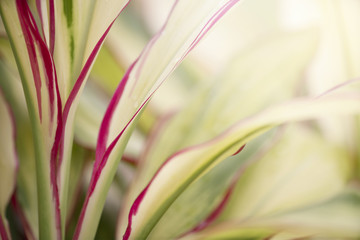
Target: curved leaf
(187,165)
(301,168)
(159,58)
(334,218)
(211,111)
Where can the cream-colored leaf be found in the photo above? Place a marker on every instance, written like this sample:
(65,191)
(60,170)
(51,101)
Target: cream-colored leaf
(333,218)
(186,166)
(162,55)
(302,168)
(214,108)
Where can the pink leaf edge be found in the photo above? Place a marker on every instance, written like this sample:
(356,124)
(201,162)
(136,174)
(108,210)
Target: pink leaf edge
(102,150)
(34,40)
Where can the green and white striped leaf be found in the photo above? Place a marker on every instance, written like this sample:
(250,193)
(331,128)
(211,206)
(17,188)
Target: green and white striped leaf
(79,26)
(38,76)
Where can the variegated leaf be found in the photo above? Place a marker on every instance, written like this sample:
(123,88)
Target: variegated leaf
(189,164)
(159,58)
(206,116)
(333,218)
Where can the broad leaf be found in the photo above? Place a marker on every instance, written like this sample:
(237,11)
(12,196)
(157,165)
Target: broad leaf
(334,218)
(300,169)
(189,164)
(205,117)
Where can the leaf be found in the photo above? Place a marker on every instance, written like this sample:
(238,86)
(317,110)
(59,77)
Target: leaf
(189,164)
(26,189)
(338,51)
(41,90)
(87,33)
(89,115)
(211,111)
(52,123)
(300,169)
(79,27)
(159,58)
(8,162)
(150,70)
(334,218)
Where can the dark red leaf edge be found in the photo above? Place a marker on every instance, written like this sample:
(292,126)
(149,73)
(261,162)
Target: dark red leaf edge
(52,26)
(221,206)
(154,134)
(105,125)
(213,20)
(35,42)
(78,85)
(32,37)
(24,21)
(135,207)
(51,22)
(102,150)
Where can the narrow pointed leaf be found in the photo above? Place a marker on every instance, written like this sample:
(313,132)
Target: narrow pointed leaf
(159,58)
(39,81)
(81,29)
